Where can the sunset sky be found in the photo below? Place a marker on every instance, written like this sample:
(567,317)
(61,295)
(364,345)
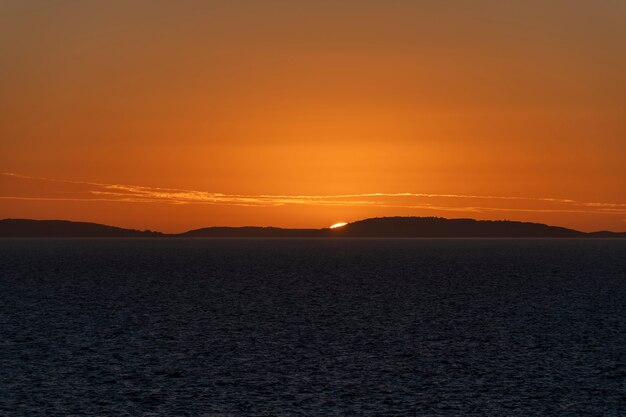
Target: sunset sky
(173,115)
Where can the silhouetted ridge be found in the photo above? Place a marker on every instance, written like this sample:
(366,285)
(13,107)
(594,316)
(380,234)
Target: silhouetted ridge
(605,233)
(382,227)
(441,227)
(250,231)
(63,228)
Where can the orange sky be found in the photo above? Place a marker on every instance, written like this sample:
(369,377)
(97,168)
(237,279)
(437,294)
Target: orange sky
(175,115)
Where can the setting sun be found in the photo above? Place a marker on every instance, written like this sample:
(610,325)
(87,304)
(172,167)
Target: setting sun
(284,124)
(312,207)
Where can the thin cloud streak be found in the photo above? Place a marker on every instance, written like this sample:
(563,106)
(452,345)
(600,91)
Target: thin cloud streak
(103,192)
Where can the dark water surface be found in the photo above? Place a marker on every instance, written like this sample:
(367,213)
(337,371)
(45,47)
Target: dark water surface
(312,327)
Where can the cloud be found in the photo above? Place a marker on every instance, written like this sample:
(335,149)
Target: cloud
(96,192)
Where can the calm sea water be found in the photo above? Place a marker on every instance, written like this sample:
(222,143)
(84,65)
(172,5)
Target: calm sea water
(312,327)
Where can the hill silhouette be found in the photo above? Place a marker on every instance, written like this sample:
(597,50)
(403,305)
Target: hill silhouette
(251,231)
(64,228)
(382,227)
(441,227)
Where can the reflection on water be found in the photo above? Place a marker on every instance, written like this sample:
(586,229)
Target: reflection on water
(312,327)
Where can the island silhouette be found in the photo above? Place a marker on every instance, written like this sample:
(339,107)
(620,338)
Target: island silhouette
(380,227)
(65,228)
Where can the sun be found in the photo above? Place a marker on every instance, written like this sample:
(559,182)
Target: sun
(336,225)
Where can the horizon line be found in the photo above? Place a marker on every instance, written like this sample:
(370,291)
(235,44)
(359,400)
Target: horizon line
(311,228)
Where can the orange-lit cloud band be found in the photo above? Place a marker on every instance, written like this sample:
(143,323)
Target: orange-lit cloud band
(95,192)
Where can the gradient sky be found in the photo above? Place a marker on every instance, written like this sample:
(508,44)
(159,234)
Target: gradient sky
(172,115)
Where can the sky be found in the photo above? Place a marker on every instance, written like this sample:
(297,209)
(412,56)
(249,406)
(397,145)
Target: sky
(170,115)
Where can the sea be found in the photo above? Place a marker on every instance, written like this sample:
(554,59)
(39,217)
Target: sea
(312,327)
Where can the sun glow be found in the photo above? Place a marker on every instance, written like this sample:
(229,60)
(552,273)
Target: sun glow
(336,225)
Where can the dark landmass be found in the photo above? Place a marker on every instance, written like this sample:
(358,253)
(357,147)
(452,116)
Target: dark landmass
(440,227)
(251,231)
(605,233)
(382,227)
(64,228)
